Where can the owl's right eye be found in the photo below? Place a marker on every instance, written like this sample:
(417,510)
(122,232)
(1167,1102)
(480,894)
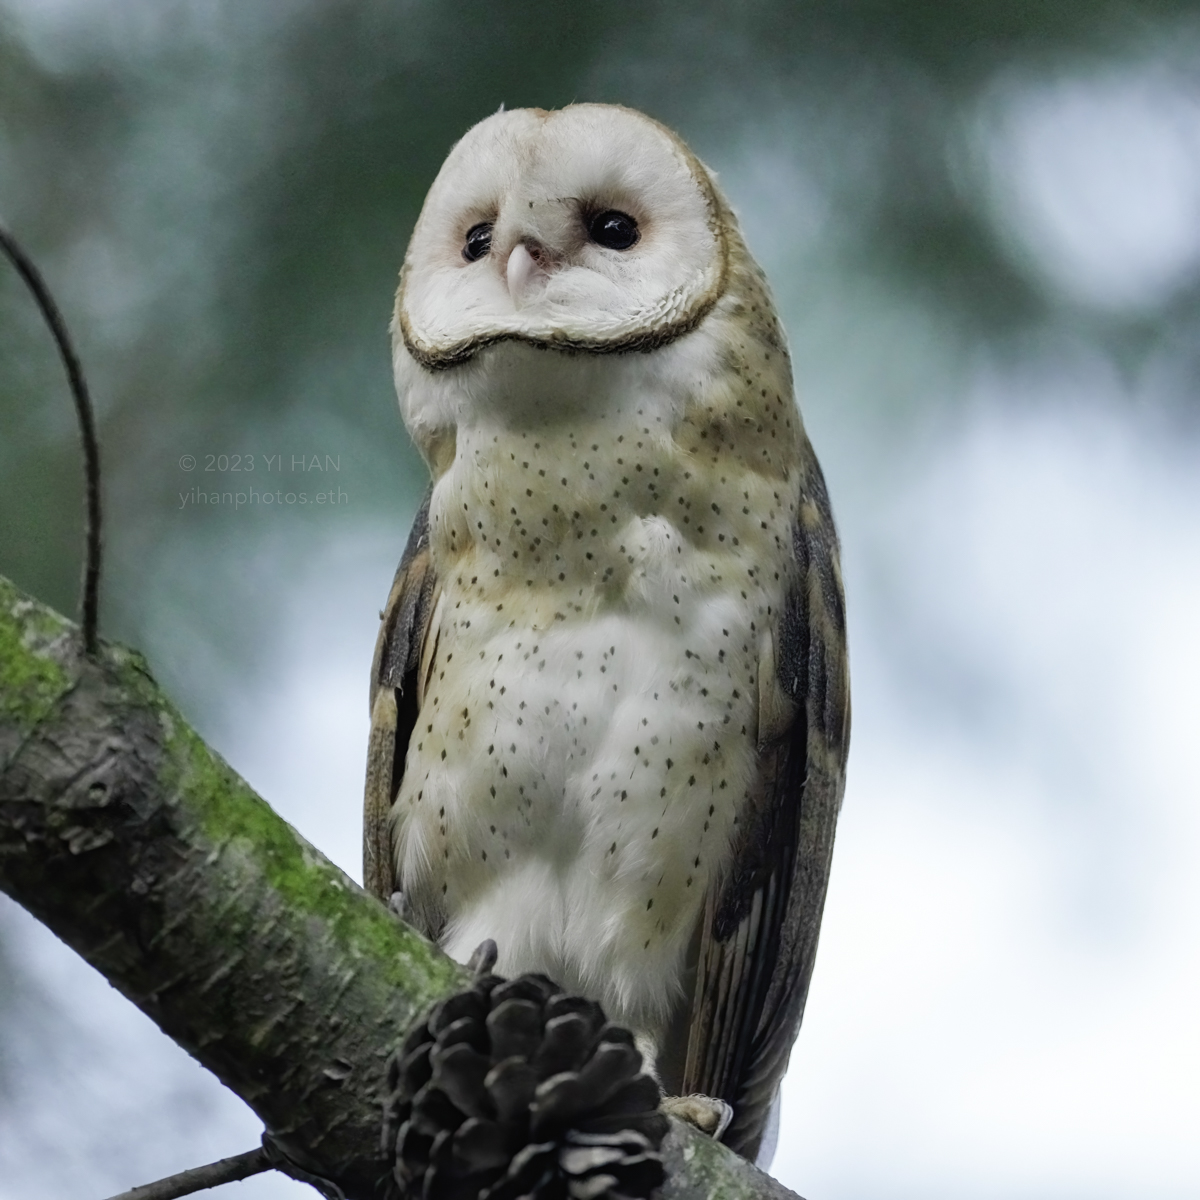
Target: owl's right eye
(479,241)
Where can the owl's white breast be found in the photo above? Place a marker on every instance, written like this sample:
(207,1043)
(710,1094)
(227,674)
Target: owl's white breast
(587,741)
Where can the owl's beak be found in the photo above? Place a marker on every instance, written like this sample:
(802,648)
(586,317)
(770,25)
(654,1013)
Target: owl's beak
(521,270)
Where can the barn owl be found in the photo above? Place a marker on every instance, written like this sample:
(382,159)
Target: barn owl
(609,701)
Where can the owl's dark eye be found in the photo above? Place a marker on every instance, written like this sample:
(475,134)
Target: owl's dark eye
(615,230)
(479,241)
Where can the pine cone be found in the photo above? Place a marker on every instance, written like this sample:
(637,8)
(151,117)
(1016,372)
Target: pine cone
(515,1089)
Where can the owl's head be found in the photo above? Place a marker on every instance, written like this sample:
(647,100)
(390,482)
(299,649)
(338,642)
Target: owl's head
(590,229)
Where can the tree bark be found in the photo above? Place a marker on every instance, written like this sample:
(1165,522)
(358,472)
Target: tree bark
(146,853)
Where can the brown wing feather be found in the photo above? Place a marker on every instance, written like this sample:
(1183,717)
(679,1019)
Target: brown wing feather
(395,698)
(759,939)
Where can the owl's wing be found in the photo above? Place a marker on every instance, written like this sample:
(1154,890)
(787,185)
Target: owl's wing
(759,930)
(396,691)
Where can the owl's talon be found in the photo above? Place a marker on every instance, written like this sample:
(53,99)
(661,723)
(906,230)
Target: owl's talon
(398,905)
(708,1114)
(483,958)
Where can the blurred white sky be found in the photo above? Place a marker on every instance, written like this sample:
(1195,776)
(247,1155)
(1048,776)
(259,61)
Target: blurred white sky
(1006,995)
(1009,974)
(1097,179)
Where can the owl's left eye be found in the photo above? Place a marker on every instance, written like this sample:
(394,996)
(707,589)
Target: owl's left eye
(613,229)
(479,241)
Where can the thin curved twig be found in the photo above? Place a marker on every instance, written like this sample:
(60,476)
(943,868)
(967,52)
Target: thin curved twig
(225,1170)
(90,598)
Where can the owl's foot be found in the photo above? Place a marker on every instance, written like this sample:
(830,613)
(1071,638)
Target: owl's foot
(483,958)
(708,1114)
(398,905)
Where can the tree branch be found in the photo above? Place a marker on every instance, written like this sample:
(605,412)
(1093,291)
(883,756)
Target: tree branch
(145,852)
(224,1170)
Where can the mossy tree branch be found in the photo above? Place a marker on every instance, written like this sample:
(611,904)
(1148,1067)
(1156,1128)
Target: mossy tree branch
(145,853)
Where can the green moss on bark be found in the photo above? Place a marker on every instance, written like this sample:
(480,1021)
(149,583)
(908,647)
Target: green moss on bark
(31,682)
(235,819)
